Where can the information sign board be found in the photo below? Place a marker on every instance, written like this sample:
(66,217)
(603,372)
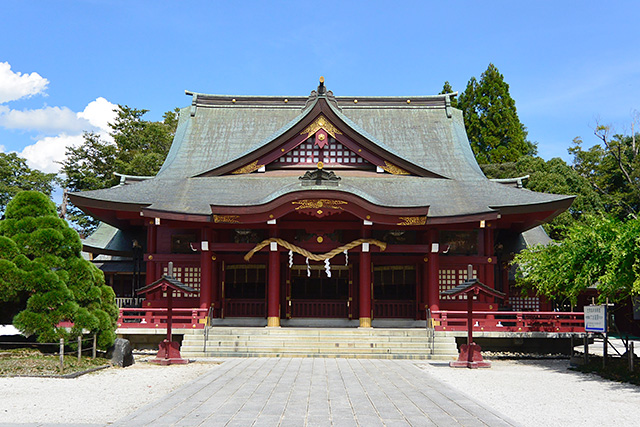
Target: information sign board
(595,318)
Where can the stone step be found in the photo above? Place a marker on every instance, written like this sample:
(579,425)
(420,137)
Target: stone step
(354,332)
(423,356)
(317,342)
(313,349)
(337,346)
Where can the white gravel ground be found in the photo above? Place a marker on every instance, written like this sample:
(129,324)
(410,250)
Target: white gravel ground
(534,393)
(545,393)
(100,397)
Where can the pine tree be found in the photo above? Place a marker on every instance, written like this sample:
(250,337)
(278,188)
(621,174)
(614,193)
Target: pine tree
(44,275)
(493,127)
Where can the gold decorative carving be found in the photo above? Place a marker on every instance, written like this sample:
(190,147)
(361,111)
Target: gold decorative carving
(247,168)
(226,219)
(321,123)
(393,169)
(412,220)
(319,203)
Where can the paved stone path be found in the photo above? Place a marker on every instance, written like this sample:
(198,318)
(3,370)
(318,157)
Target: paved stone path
(315,392)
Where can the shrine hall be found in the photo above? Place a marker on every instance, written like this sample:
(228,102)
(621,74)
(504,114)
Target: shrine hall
(323,208)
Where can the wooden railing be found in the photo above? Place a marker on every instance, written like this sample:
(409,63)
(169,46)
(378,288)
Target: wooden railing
(510,321)
(394,309)
(122,302)
(150,318)
(245,308)
(319,308)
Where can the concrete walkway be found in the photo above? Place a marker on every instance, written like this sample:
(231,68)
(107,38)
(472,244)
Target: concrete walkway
(315,392)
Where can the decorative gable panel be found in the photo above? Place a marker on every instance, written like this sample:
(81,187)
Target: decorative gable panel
(331,153)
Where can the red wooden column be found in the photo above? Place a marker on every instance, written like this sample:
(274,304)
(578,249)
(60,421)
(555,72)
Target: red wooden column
(433,272)
(215,280)
(273,289)
(424,278)
(205,269)
(489,273)
(364,293)
(152,247)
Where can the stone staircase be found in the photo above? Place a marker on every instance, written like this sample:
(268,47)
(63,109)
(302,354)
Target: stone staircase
(369,343)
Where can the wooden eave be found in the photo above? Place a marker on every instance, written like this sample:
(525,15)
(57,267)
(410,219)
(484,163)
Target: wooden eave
(166,283)
(472,286)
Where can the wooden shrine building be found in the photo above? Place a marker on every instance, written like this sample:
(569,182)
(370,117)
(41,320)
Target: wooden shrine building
(322,207)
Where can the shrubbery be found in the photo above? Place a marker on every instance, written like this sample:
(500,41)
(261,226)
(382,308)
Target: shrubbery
(40,260)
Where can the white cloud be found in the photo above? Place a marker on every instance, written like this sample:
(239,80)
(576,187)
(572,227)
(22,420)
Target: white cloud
(46,152)
(46,120)
(55,120)
(99,113)
(16,85)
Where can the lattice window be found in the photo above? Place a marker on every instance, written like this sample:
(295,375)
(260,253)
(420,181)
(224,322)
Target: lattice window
(190,276)
(525,303)
(334,153)
(452,277)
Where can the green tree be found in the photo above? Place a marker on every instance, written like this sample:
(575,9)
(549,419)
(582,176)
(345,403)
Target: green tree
(42,271)
(493,127)
(600,251)
(613,170)
(16,176)
(557,177)
(139,147)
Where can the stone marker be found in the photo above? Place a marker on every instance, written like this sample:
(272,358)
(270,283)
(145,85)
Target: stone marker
(121,353)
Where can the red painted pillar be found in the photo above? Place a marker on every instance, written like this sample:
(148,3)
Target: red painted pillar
(488,252)
(489,270)
(273,290)
(433,271)
(364,293)
(215,283)
(424,278)
(205,269)
(151,276)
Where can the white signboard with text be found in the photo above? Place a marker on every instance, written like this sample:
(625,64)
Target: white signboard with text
(595,318)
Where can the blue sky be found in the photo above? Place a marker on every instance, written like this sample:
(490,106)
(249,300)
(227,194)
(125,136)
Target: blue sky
(64,64)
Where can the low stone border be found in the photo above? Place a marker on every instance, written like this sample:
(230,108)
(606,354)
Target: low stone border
(68,376)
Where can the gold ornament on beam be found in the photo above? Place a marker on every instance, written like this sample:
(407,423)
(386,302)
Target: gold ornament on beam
(321,123)
(393,169)
(226,219)
(251,167)
(412,220)
(319,203)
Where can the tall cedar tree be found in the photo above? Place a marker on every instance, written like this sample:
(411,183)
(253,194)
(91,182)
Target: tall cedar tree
(16,176)
(493,127)
(139,148)
(44,277)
